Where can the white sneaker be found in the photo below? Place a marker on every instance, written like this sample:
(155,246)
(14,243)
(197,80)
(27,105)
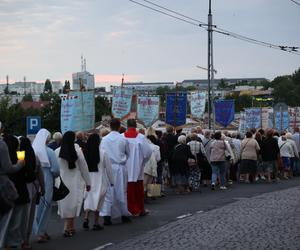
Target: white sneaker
(256,178)
(223,188)
(263,177)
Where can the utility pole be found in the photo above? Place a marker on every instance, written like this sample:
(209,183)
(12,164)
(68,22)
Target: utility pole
(209,63)
(24,85)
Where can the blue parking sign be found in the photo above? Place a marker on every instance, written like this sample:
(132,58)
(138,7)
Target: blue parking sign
(33,124)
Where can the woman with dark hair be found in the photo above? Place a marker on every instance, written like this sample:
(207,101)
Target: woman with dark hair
(75,175)
(249,150)
(101,178)
(17,226)
(50,169)
(35,185)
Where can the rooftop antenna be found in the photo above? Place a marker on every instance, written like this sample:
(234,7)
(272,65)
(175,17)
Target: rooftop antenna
(7,81)
(82,63)
(122,80)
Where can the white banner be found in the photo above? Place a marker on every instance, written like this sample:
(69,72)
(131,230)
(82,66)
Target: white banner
(197,104)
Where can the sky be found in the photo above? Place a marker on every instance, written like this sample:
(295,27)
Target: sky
(45,39)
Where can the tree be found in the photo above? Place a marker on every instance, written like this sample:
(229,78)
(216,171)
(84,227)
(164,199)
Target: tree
(66,87)
(240,102)
(27,98)
(102,107)
(48,86)
(222,84)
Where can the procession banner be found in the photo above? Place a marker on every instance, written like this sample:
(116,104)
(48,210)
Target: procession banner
(253,118)
(197,104)
(282,120)
(294,114)
(121,102)
(224,111)
(176,109)
(78,111)
(148,109)
(266,122)
(242,125)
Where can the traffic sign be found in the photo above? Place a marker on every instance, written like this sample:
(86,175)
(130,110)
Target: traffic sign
(33,124)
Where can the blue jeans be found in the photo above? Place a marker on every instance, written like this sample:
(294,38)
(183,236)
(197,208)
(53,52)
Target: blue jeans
(218,169)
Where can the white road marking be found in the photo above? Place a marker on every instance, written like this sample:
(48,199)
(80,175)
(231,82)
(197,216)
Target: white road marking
(183,216)
(103,246)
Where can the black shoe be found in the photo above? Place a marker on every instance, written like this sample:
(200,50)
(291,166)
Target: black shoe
(213,187)
(85,224)
(126,219)
(97,227)
(107,221)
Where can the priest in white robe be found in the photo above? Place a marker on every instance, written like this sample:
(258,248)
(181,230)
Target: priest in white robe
(75,175)
(139,153)
(101,179)
(115,203)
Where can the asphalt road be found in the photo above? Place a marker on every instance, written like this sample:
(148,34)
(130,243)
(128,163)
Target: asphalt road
(162,212)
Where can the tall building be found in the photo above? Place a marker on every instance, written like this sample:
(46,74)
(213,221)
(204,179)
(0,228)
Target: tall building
(83,78)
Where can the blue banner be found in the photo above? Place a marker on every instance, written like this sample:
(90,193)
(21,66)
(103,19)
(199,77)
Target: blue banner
(121,102)
(253,118)
(78,111)
(198,104)
(176,109)
(224,112)
(282,120)
(148,109)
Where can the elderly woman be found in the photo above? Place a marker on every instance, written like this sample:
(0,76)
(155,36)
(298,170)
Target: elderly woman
(249,151)
(219,148)
(50,169)
(180,167)
(75,175)
(286,153)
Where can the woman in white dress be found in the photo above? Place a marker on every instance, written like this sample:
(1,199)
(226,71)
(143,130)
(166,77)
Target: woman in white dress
(75,175)
(101,178)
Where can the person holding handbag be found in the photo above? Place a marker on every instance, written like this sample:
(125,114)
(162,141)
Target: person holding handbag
(249,151)
(75,175)
(218,157)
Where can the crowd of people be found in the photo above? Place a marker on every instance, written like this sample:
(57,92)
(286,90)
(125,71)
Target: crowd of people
(108,173)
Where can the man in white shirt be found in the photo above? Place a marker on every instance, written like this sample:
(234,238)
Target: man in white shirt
(139,153)
(115,202)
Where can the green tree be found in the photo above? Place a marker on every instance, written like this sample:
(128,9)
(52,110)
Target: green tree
(222,84)
(102,107)
(241,102)
(48,86)
(27,98)
(66,87)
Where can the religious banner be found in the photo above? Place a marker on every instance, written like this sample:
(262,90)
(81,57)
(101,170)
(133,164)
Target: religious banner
(242,125)
(281,120)
(176,109)
(77,111)
(266,122)
(197,104)
(121,102)
(294,114)
(224,111)
(148,109)
(253,118)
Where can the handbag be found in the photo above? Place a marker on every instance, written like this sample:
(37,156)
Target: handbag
(60,192)
(154,190)
(8,194)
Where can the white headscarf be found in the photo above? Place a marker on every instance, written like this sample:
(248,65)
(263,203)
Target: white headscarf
(39,146)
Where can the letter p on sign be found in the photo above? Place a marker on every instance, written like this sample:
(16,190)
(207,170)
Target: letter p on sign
(33,125)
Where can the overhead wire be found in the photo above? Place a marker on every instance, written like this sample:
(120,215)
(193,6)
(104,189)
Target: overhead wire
(295,2)
(290,49)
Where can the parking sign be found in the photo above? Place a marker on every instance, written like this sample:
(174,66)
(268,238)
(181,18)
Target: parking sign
(33,124)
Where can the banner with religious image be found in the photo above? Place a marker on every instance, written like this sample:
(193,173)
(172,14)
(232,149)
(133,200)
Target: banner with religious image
(253,118)
(224,111)
(121,102)
(176,109)
(197,104)
(77,111)
(148,109)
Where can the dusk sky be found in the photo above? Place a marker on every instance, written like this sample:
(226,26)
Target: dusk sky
(45,38)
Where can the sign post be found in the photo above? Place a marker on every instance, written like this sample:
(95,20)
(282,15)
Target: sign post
(33,125)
